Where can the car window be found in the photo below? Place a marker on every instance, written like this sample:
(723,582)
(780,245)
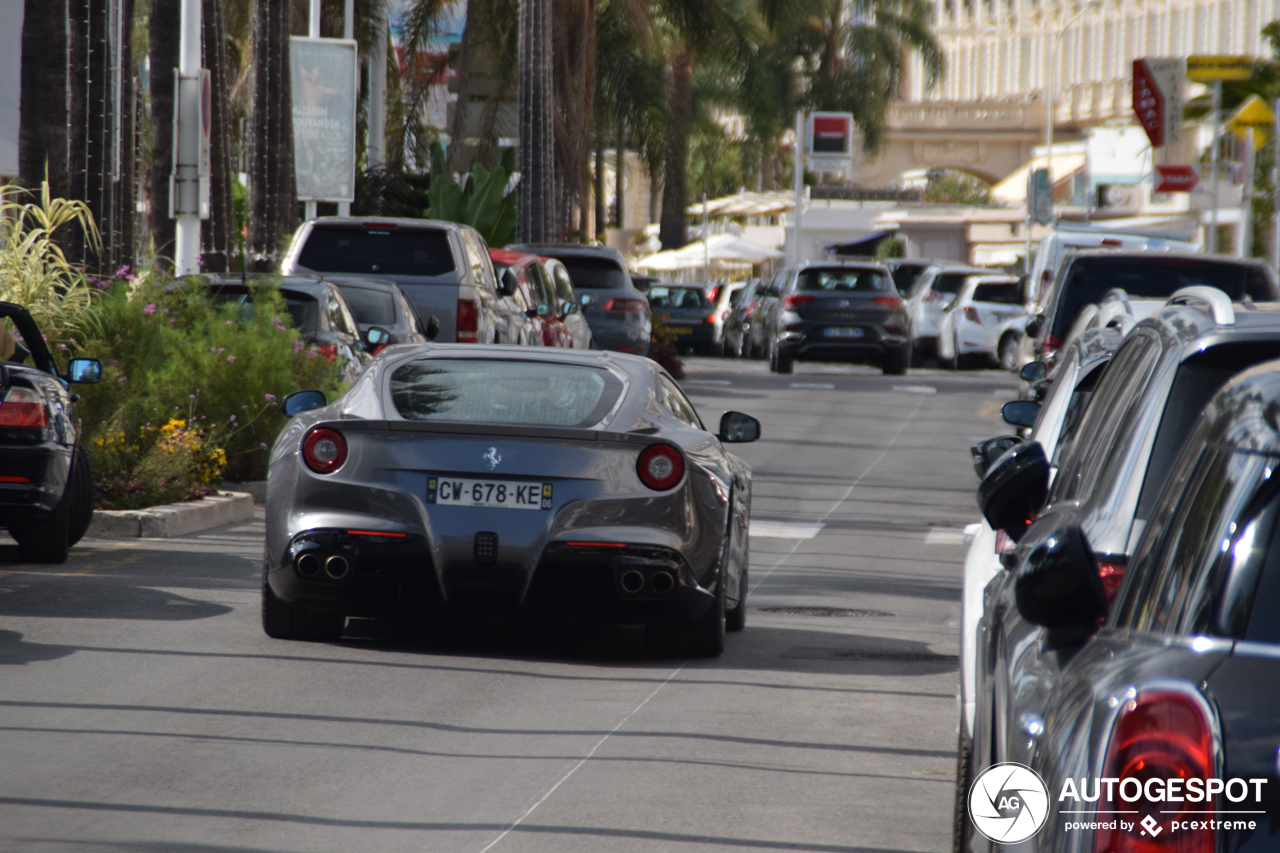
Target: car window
(481,263)
(661,296)
(337,316)
(503,392)
(564,287)
(304,310)
(1077,405)
(949,282)
(375,307)
(1003,294)
(543,292)
(1107,424)
(596,273)
(411,316)
(1088,279)
(392,251)
(843,279)
(678,404)
(905,276)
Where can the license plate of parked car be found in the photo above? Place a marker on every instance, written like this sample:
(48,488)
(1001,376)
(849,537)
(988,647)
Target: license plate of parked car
(842,332)
(680,330)
(503,494)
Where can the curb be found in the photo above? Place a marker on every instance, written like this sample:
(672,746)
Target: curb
(170,520)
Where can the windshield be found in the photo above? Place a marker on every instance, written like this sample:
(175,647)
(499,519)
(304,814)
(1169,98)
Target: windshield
(949,282)
(371,307)
(596,273)
(905,275)
(1152,277)
(394,251)
(503,392)
(1004,294)
(843,279)
(677,297)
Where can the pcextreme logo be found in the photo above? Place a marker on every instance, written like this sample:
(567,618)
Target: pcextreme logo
(1008,803)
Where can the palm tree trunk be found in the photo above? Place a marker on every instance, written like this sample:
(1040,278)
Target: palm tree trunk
(215,236)
(166,22)
(273,199)
(539,209)
(673,231)
(602,221)
(620,173)
(42,136)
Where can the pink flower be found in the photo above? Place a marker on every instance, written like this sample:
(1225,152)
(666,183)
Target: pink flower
(150,309)
(228,322)
(231,358)
(115,362)
(271,398)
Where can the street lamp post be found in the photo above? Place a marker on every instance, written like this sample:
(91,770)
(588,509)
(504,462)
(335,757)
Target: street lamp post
(1050,85)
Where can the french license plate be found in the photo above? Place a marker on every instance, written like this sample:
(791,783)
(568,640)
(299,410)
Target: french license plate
(841,332)
(680,330)
(502,494)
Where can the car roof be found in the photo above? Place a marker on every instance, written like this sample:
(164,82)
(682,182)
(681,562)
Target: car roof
(569,250)
(1195,329)
(1162,254)
(396,221)
(840,262)
(541,354)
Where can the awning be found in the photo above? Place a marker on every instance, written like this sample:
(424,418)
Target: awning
(719,249)
(862,246)
(996,254)
(746,204)
(1013,189)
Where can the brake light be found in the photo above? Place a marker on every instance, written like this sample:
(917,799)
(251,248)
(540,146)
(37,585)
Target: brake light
(468,321)
(971,314)
(1159,737)
(710,318)
(1111,570)
(324,450)
(712,293)
(795,300)
(887,301)
(660,466)
(23,407)
(329,351)
(628,305)
(1051,343)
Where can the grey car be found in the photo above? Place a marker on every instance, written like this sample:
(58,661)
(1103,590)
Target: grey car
(840,311)
(576,483)
(382,304)
(616,311)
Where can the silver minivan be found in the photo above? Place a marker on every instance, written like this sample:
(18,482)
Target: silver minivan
(443,267)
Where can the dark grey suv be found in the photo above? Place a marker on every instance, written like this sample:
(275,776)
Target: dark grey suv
(840,312)
(616,312)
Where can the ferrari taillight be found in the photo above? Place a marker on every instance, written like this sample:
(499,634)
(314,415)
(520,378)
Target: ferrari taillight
(1160,736)
(23,407)
(324,450)
(660,466)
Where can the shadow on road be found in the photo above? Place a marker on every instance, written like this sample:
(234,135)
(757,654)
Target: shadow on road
(15,651)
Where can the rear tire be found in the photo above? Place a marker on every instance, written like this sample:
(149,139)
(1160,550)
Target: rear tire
(735,619)
(896,361)
(284,621)
(84,494)
(47,541)
(782,362)
(964,778)
(706,634)
(1007,353)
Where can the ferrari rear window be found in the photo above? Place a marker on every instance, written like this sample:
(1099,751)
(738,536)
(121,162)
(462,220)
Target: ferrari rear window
(494,391)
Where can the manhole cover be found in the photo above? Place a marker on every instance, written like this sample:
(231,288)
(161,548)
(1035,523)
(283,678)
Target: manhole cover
(824,611)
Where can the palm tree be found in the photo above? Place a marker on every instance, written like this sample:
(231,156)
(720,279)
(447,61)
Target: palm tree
(42,137)
(273,199)
(165,31)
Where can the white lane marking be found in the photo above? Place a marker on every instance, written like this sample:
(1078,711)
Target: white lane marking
(916,389)
(845,496)
(939,536)
(706,382)
(584,760)
(812,385)
(784,529)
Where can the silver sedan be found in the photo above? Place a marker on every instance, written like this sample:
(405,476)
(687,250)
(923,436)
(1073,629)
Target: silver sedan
(579,484)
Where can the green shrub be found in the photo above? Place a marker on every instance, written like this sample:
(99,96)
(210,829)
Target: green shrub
(190,389)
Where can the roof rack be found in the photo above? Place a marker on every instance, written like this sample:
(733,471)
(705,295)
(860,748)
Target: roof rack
(1209,299)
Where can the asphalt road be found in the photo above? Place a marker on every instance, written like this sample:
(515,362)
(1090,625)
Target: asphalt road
(143,709)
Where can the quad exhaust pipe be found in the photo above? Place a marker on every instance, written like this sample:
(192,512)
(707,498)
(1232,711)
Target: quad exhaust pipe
(635,582)
(662,583)
(337,567)
(308,565)
(632,581)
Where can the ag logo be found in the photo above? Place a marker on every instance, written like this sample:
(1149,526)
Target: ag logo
(1008,803)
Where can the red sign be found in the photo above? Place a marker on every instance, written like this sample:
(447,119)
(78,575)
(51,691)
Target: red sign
(1178,178)
(1148,102)
(831,132)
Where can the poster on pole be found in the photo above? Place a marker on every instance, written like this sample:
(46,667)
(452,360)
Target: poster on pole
(324,77)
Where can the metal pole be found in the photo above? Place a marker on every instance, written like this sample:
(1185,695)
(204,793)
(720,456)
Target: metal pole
(1275,186)
(1212,242)
(1244,239)
(706,260)
(313,31)
(187,185)
(799,182)
(348,33)
(376,149)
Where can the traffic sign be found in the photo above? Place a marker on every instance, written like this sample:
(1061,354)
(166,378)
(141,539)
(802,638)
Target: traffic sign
(1176,178)
(1254,116)
(1157,98)
(1207,69)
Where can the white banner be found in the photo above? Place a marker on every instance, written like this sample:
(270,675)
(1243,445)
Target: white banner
(324,74)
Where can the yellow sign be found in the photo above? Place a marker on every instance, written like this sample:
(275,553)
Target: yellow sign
(1254,116)
(1207,69)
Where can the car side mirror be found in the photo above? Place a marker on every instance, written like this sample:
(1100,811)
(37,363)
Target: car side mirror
(1058,585)
(376,336)
(543,310)
(302,401)
(989,451)
(569,308)
(433,328)
(585,299)
(507,284)
(1020,413)
(1032,371)
(86,371)
(1015,488)
(737,428)
(1034,325)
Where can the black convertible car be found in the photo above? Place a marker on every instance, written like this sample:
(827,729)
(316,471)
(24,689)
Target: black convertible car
(46,487)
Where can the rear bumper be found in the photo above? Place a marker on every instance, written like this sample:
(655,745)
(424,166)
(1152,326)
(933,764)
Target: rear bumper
(620,337)
(811,343)
(379,575)
(45,466)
